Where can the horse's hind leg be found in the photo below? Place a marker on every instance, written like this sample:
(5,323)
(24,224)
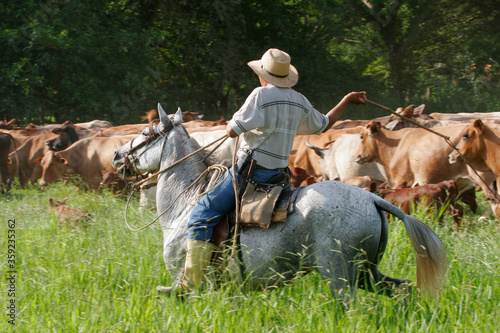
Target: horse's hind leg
(371,279)
(341,279)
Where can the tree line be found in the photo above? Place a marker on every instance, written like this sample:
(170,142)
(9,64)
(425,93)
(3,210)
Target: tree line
(114,60)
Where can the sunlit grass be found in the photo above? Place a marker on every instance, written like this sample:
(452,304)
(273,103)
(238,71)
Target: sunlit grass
(102,279)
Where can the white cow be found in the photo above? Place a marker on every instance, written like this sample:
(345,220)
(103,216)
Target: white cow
(224,152)
(337,161)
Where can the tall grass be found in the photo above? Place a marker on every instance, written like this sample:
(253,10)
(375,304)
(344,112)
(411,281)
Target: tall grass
(102,279)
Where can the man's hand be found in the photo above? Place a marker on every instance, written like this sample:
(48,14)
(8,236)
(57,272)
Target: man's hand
(230,132)
(356,97)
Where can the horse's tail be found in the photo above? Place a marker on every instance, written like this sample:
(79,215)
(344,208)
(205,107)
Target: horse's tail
(431,254)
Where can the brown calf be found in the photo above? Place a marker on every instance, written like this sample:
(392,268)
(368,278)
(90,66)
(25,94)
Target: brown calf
(428,195)
(71,217)
(113,181)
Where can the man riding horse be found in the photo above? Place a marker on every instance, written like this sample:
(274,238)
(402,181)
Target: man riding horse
(271,117)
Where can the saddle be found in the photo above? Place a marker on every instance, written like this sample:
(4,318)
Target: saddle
(284,206)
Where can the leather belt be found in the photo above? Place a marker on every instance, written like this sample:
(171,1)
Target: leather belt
(262,168)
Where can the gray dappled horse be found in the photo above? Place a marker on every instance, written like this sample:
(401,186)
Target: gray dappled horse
(339,230)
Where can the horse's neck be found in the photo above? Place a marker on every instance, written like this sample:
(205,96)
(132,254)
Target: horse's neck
(171,187)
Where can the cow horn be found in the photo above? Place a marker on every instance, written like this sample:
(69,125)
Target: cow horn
(317,150)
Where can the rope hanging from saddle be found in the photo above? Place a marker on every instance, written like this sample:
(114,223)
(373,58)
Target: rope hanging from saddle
(446,138)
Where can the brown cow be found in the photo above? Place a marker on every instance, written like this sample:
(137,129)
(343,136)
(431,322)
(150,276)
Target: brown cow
(410,156)
(430,196)
(28,154)
(86,157)
(489,117)
(150,115)
(95,124)
(113,181)
(297,176)
(364,182)
(190,116)
(123,130)
(71,217)
(30,131)
(414,156)
(480,146)
(6,146)
(7,124)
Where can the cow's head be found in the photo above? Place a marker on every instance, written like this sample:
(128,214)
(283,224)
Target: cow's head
(471,146)
(367,150)
(53,166)
(67,136)
(55,203)
(7,124)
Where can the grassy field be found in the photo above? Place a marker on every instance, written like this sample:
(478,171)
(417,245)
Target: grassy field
(103,278)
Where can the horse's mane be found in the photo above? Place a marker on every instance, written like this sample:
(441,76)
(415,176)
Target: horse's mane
(192,145)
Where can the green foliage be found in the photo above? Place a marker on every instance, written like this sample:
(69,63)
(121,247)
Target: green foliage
(72,60)
(114,60)
(102,278)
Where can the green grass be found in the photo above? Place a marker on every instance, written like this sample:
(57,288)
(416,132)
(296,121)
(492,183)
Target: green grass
(102,279)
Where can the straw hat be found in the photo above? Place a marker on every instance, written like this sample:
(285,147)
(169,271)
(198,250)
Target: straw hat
(275,68)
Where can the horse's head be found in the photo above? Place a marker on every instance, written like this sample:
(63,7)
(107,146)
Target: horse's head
(144,153)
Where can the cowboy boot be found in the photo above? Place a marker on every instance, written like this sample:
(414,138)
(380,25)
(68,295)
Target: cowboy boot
(198,257)
(197,260)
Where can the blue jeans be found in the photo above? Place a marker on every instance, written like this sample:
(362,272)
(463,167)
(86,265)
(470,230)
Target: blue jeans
(212,207)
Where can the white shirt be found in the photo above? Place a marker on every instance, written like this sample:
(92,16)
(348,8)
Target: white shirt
(270,119)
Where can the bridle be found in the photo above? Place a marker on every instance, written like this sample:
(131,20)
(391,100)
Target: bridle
(129,163)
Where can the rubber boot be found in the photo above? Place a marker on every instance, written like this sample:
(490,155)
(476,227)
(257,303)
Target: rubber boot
(198,257)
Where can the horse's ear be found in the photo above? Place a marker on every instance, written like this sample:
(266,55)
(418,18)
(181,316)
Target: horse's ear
(178,117)
(163,116)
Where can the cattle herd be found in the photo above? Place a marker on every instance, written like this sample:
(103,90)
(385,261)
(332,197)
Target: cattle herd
(405,164)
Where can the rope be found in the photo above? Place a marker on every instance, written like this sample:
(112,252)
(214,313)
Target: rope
(407,119)
(195,187)
(237,199)
(446,138)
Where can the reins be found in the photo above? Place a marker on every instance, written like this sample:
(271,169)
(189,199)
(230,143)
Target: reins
(446,138)
(237,200)
(139,183)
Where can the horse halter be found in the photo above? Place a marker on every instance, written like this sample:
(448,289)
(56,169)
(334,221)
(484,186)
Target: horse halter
(129,162)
